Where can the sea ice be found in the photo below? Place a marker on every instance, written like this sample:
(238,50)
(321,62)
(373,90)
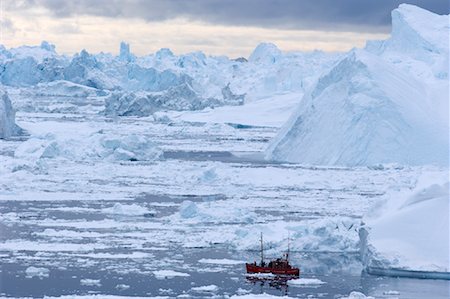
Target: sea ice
(163,274)
(128,210)
(305,282)
(90,282)
(221,261)
(259,296)
(37,272)
(208,288)
(356,295)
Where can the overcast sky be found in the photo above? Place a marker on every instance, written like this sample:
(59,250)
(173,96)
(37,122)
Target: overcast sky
(228,27)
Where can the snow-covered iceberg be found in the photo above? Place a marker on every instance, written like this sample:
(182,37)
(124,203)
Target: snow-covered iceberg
(412,235)
(8,126)
(369,110)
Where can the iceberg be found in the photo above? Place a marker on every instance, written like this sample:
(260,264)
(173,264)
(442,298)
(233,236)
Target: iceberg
(179,97)
(125,54)
(410,236)
(8,126)
(265,53)
(367,110)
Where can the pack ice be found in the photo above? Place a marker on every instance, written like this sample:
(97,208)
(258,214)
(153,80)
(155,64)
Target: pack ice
(387,103)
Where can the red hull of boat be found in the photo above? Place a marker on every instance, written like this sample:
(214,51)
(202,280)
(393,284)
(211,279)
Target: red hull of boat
(251,268)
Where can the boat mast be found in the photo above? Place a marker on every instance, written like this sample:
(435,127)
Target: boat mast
(262,250)
(289,246)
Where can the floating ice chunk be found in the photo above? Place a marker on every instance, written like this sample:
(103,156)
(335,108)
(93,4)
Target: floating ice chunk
(122,287)
(305,282)
(103,296)
(188,209)
(37,272)
(221,261)
(162,274)
(95,146)
(356,295)
(208,176)
(261,275)
(128,210)
(209,288)
(391,293)
(241,291)
(90,282)
(259,296)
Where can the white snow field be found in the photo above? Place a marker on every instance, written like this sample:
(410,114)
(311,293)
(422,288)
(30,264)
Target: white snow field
(387,103)
(146,177)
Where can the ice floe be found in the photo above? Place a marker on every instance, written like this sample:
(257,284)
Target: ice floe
(163,274)
(39,272)
(305,282)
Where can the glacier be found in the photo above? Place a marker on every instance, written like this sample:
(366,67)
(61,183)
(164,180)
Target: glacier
(370,109)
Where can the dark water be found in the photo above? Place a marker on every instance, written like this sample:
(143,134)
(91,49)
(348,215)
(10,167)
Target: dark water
(341,272)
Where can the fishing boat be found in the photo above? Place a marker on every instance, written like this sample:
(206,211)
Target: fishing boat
(279,266)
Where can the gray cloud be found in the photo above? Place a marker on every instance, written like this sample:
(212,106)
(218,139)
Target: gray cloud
(352,15)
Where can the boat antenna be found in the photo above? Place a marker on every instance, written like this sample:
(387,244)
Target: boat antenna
(262,250)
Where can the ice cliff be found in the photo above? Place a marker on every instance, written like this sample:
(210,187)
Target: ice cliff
(8,126)
(411,237)
(376,106)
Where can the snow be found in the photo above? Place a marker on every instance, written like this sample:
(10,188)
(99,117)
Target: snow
(37,272)
(8,126)
(164,274)
(411,232)
(369,109)
(305,282)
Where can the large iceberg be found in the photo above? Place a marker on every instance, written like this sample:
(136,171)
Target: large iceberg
(411,237)
(179,97)
(8,126)
(269,72)
(368,110)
